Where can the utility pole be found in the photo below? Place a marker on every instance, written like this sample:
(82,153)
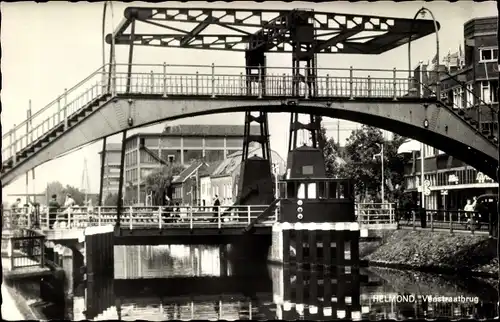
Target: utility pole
(498,168)
(85,180)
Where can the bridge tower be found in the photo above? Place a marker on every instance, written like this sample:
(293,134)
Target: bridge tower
(304,161)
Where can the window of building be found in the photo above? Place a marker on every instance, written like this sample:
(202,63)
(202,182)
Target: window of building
(469,94)
(428,151)
(171,158)
(458,97)
(191,155)
(489,91)
(214,155)
(192,142)
(488,55)
(234,142)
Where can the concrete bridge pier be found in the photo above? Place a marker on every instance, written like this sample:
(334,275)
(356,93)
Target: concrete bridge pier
(314,245)
(250,247)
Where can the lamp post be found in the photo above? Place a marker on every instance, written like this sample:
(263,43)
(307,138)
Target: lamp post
(422,12)
(422,176)
(498,168)
(381,155)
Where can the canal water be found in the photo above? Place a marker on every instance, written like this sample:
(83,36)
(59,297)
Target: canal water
(198,282)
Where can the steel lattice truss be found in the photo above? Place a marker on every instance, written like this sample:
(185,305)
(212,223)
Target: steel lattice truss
(268,30)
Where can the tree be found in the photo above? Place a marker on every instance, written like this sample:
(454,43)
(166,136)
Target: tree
(331,153)
(160,182)
(111,200)
(365,169)
(57,188)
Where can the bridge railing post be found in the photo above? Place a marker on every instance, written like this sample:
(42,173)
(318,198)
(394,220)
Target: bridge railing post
(327,85)
(260,81)
(42,251)
(197,83)
(165,79)
(130,217)
(351,83)
(152,81)
(451,223)
(284,85)
(249,214)
(160,221)
(65,109)
(219,223)
(190,215)
(99,215)
(213,80)
(306,81)
(369,86)
(394,84)
(59,109)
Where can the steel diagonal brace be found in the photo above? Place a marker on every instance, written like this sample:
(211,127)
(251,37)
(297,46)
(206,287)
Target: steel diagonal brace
(196,31)
(343,36)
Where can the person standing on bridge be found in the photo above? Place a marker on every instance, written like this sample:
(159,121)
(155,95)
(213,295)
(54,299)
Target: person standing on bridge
(53,208)
(469,212)
(216,207)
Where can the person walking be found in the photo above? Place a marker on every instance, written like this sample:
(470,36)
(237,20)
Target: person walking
(53,208)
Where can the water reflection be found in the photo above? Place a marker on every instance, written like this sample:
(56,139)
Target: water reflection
(198,282)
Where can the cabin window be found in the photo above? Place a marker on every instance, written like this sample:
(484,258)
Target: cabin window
(342,193)
(171,158)
(307,170)
(291,191)
(332,190)
(301,192)
(322,190)
(311,191)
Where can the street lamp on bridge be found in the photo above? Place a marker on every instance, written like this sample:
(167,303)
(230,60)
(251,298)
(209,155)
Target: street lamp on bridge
(422,12)
(381,155)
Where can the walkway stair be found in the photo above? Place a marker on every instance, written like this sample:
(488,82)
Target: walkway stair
(54,133)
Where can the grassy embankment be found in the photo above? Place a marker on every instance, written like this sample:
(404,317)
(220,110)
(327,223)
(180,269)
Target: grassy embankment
(435,252)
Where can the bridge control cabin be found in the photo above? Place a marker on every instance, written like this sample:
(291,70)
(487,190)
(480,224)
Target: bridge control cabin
(316,200)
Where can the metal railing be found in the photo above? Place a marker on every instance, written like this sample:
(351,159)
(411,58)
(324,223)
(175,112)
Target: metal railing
(174,217)
(156,217)
(204,80)
(25,249)
(375,213)
(452,220)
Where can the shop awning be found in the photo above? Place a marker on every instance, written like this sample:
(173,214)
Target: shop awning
(409,146)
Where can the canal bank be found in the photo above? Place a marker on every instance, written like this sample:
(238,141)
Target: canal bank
(438,252)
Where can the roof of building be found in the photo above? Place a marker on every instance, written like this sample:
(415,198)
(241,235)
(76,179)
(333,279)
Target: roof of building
(112,147)
(188,172)
(208,171)
(200,130)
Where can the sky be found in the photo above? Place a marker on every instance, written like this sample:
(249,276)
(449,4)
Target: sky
(47,47)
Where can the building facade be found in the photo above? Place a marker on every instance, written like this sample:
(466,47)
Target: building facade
(182,144)
(111,169)
(224,179)
(470,86)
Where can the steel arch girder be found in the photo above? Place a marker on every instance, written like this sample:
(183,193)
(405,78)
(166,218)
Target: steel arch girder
(445,131)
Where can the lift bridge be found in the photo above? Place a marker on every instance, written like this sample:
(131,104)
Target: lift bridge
(118,100)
